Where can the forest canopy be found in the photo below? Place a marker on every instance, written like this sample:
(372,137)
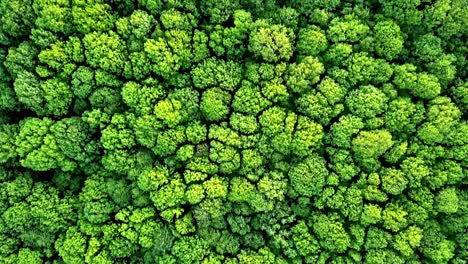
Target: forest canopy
(233,131)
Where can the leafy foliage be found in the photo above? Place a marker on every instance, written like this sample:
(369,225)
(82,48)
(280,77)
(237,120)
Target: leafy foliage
(233,131)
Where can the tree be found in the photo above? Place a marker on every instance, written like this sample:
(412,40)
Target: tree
(347,29)
(368,145)
(372,214)
(428,47)
(307,137)
(406,14)
(249,100)
(308,177)
(92,16)
(423,85)
(394,217)
(211,72)
(271,43)
(342,131)
(57,96)
(311,41)
(21,58)
(394,181)
(218,12)
(447,201)
(105,50)
(366,102)
(168,53)
(331,234)
(303,74)
(17,18)
(142,99)
(214,104)
(389,41)
(402,115)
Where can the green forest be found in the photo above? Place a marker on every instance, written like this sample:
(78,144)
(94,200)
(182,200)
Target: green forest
(233,131)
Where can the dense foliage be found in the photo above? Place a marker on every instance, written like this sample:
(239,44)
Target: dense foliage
(233,131)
